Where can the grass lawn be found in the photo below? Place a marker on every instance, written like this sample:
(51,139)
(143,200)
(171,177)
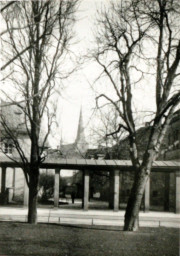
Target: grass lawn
(55,240)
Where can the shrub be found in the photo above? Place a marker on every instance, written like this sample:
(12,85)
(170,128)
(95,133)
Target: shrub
(46,187)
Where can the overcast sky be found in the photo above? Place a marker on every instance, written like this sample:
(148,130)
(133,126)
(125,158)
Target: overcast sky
(79,92)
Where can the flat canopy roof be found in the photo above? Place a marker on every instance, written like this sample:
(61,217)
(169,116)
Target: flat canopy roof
(92,164)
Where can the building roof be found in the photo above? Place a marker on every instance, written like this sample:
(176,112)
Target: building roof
(13,117)
(91,164)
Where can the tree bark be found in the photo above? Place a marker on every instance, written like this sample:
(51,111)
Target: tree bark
(135,199)
(124,42)
(33,193)
(35,124)
(41,25)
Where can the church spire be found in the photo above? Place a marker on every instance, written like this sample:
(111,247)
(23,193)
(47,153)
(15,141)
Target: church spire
(80,130)
(61,139)
(80,141)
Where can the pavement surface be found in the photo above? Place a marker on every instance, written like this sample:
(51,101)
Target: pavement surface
(90,217)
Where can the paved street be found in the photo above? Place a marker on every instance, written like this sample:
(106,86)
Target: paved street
(90,217)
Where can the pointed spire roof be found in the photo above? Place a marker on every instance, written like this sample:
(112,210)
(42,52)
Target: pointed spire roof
(61,139)
(80,145)
(80,137)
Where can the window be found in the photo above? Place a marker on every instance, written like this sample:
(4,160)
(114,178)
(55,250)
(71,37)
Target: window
(7,147)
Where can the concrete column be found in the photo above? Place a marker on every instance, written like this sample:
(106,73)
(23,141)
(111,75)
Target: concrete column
(10,195)
(116,190)
(26,193)
(147,196)
(3,179)
(56,187)
(82,189)
(111,189)
(120,187)
(14,182)
(166,191)
(86,190)
(177,194)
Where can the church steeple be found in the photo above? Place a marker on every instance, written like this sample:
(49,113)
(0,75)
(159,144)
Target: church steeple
(80,141)
(61,139)
(79,148)
(80,130)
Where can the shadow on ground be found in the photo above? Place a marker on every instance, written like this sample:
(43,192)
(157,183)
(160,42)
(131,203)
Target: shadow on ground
(65,240)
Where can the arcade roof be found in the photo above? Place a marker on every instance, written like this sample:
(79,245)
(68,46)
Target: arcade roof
(91,164)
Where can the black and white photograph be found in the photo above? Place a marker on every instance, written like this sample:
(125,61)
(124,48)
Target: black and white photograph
(90,128)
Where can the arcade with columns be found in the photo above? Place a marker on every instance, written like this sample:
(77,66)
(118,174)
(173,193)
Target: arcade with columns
(114,167)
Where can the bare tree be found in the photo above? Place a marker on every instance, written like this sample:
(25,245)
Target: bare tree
(6,5)
(45,31)
(138,42)
(104,124)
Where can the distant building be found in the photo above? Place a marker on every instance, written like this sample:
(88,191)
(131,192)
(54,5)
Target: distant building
(75,150)
(13,125)
(13,118)
(172,149)
(79,148)
(162,193)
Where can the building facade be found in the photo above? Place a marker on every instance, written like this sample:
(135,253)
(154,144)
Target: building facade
(13,125)
(14,135)
(162,185)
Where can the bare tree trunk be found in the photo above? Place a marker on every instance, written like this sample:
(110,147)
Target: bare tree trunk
(125,42)
(44,28)
(34,170)
(33,193)
(35,126)
(135,199)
